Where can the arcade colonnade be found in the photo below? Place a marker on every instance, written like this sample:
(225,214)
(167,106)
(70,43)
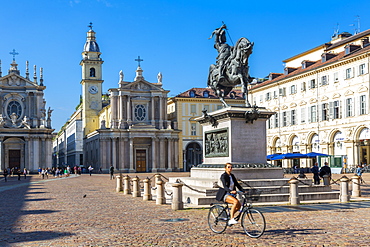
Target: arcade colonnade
(346,149)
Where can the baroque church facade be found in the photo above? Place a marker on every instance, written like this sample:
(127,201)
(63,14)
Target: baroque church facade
(25,124)
(128,128)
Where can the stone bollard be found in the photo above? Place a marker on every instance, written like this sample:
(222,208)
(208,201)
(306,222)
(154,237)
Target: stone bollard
(293,191)
(135,187)
(161,199)
(344,192)
(119,186)
(356,187)
(126,185)
(177,203)
(326,180)
(147,191)
(157,177)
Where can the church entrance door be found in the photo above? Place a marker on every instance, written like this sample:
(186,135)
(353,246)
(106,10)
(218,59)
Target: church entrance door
(14,159)
(140,160)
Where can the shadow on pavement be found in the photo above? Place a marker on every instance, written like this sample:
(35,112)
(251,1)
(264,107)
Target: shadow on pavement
(13,197)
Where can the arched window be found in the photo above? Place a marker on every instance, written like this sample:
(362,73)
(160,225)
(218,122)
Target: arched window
(192,94)
(92,72)
(205,94)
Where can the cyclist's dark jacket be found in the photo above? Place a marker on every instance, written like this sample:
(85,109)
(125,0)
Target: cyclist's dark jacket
(225,179)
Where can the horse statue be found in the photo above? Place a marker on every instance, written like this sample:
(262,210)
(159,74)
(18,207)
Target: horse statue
(231,68)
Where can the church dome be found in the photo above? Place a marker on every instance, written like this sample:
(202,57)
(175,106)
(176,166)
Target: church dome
(91,44)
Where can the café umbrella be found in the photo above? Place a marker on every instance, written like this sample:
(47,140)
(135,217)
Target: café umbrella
(289,156)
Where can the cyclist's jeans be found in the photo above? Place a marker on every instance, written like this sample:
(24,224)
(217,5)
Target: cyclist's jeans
(229,194)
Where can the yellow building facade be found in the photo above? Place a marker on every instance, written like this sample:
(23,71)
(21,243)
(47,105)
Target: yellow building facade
(183,109)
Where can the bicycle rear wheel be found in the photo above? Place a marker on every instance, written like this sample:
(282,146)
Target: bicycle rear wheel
(217,219)
(253,223)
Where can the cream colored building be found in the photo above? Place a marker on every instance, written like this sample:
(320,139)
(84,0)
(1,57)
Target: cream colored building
(184,108)
(321,103)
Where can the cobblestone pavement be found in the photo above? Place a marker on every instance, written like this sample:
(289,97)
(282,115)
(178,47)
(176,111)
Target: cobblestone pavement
(55,212)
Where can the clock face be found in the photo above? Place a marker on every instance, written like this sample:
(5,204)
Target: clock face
(93,89)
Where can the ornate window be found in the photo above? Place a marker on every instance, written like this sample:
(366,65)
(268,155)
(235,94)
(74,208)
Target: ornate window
(14,107)
(140,112)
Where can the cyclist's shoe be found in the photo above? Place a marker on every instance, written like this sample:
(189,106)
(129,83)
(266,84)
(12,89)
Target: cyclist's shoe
(232,222)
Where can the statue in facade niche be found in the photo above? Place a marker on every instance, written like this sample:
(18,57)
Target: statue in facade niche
(25,122)
(231,67)
(49,112)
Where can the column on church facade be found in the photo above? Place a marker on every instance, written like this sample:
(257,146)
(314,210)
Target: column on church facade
(43,153)
(121,110)
(176,152)
(132,168)
(169,154)
(108,160)
(160,112)
(103,151)
(121,152)
(162,158)
(114,153)
(113,104)
(152,108)
(36,153)
(128,108)
(154,154)
(125,157)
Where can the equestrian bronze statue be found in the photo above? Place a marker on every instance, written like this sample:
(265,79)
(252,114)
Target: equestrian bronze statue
(231,67)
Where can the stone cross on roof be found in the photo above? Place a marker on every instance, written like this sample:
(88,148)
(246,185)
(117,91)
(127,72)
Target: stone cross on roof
(14,53)
(139,60)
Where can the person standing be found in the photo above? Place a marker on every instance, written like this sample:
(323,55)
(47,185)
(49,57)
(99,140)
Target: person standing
(111,169)
(90,169)
(359,170)
(25,173)
(315,171)
(325,171)
(5,173)
(227,192)
(19,174)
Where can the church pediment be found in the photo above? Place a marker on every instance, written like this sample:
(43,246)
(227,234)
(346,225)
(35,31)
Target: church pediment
(142,85)
(14,80)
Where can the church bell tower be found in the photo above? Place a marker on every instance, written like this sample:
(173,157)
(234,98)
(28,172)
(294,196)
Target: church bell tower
(91,83)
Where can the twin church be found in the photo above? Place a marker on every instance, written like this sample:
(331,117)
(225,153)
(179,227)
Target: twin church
(127,128)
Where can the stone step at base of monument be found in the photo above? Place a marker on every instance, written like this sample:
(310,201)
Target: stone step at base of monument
(320,196)
(201,191)
(208,183)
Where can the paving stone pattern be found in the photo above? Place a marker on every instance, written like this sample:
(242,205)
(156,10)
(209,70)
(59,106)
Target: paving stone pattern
(54,212)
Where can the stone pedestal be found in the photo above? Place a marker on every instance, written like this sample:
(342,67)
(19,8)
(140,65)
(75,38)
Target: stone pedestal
(236,135)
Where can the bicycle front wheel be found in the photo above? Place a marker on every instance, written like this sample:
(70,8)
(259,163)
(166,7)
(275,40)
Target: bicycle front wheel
(253,223)
(217,219)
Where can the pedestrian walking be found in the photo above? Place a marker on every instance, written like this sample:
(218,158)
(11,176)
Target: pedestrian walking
(43,173)
(5,173)
(111,169)
(40,171)
(359,170)
(315,171)
(90,169)
(25,173)
(19,174)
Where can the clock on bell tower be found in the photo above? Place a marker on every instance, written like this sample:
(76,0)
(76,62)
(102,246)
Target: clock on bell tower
(91,83)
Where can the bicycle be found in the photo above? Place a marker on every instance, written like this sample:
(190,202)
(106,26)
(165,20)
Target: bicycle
(252,220)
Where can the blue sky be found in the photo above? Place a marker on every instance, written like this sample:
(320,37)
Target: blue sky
(171,37)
